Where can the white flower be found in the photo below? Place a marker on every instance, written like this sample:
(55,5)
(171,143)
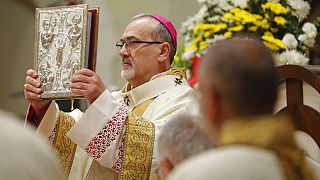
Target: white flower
(209,2)
(300,8)
(240,3)
(303,37)
(225,5)
(190,23)
(310,34)
(291,57)
(214,18)
(290,41)
(201,1)
(216,38)
(310,29)
(202,11)
(188,55)
(310,42)
(306,40)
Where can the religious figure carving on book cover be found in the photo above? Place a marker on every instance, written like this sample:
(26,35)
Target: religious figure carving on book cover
(60,47)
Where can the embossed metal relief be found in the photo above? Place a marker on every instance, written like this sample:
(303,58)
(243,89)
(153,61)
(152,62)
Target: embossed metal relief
(60,47)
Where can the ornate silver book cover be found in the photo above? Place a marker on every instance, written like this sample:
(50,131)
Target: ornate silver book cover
(60,48)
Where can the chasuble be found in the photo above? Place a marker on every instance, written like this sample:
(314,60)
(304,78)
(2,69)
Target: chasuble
(116,137)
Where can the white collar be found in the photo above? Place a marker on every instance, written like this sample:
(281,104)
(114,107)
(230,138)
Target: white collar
(157,85)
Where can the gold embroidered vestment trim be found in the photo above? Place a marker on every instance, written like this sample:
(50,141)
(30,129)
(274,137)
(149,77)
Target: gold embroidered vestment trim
(64,147)
(274,134)
(139,144)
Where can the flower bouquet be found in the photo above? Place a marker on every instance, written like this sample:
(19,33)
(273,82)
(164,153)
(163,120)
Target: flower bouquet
(281,25)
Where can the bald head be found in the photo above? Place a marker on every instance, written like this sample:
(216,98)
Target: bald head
(242,74)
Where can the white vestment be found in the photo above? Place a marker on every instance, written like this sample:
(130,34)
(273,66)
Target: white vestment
(99,132)
(239,162)
(258,147)
(24,155)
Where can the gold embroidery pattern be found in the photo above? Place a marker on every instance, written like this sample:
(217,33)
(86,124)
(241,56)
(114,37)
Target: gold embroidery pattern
(139,148)
(64,147)
(275,134)
(180,72)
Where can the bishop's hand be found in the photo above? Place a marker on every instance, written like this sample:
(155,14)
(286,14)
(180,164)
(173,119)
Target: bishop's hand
(32,92)
(88,84)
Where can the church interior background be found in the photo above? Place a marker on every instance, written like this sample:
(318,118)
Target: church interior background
(17,38)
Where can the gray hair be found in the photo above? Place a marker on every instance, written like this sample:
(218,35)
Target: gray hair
(182,137)
(160,33)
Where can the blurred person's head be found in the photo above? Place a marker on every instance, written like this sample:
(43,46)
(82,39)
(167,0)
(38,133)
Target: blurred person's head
(182,137)
(23,155)
(237,78)
(147,47)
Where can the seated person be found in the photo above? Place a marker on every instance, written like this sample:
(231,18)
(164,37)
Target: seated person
(24,155)
(182,137)
(238,82)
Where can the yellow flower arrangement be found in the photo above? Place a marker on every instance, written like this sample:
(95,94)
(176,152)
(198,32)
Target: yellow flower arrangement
(279,23)
(275,7)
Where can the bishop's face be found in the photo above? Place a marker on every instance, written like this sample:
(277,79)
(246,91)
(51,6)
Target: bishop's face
(139,60)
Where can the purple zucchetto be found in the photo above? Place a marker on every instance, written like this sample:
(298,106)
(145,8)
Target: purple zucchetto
(168,25)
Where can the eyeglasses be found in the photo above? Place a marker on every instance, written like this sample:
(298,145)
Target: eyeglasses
(130,44)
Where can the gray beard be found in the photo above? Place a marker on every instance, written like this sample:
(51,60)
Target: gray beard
(127,73)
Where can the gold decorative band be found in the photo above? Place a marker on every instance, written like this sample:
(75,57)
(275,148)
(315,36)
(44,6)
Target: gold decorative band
(138,149)
(64,147)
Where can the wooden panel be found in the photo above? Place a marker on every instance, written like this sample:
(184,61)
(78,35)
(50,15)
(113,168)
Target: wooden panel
(304,118)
